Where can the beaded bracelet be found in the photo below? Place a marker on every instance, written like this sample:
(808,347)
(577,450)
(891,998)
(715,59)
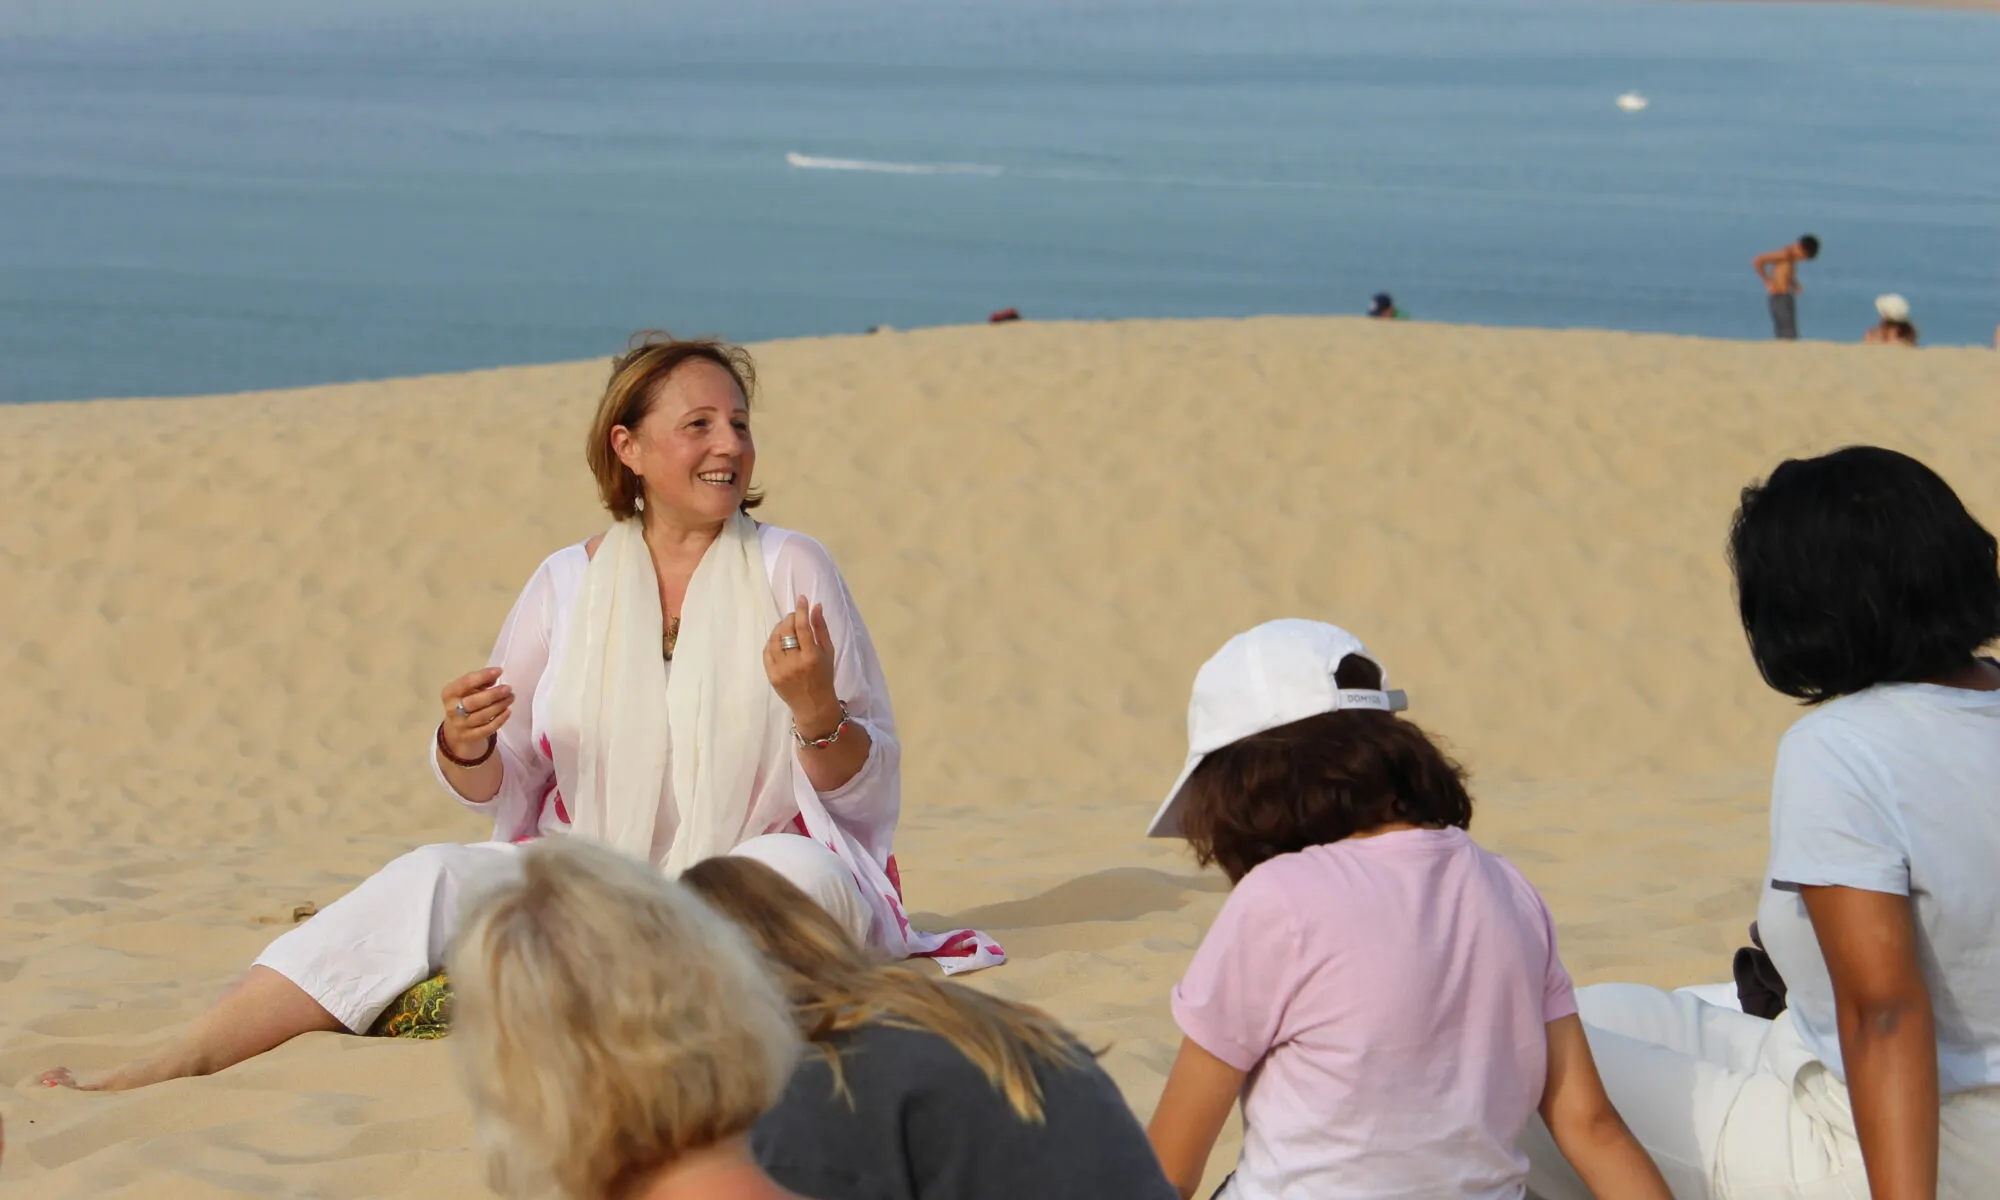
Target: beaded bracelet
(492,744)
(822,743)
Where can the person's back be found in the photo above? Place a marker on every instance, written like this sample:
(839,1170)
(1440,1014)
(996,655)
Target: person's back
(914,1088)
(1865,589)
(1384,996)
(1395,990)
(909,1117)
(1893,789)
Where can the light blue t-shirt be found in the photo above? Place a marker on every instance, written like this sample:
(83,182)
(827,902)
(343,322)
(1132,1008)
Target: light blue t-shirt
(1895,789)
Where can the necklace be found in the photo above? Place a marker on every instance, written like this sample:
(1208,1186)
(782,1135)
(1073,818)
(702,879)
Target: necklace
(667,639)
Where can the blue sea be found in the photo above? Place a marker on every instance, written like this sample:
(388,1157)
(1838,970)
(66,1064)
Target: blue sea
(210,195)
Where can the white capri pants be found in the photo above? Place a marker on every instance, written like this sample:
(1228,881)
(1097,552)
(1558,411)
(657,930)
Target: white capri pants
(368,947)
(1734,1107)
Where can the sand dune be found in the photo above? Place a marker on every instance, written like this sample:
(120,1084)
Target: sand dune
(228,617)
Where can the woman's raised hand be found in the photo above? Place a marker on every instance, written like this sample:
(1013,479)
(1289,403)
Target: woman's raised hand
(475,707)
(799,661)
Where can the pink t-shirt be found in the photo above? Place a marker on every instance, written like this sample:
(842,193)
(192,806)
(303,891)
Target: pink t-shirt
(1389,997)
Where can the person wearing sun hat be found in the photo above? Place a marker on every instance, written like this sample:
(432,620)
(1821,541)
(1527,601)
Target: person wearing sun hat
(1383,995)
(1895,328)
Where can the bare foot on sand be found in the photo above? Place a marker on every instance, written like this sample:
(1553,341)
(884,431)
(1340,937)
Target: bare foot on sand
(146,1071)
(262,1011)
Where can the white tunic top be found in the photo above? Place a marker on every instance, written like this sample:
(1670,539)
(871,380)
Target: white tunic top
(857,821)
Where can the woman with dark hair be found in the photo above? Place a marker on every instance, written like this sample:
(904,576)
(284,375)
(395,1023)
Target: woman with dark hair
(1383,995)
(1866,591)
(916,1088)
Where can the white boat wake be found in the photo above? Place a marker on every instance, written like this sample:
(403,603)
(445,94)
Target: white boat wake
(808,162)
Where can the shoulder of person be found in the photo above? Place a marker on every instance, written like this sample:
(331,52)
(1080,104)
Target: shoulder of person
(777,537)
(1831,729)
(802,550)
(1523,886)
(892,1064)
(571,560)
(1281,884)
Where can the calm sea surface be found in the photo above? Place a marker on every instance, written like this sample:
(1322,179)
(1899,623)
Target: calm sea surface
(228,200)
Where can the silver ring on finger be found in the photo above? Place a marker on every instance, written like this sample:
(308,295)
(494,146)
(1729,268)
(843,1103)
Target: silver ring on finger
(459,708)
(788,642)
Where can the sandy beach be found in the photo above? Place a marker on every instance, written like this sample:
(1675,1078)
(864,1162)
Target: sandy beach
(228,619)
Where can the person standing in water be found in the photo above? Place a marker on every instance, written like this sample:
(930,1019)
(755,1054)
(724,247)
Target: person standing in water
(1779,271)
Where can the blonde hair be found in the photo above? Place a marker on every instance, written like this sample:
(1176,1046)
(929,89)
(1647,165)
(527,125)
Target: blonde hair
(607,1022)
(636,376)
(835,986)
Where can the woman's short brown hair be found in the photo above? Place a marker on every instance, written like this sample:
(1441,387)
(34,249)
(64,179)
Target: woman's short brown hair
(1319,780)
(636,376)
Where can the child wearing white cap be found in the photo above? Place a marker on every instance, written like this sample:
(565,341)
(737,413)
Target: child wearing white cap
(1383,995)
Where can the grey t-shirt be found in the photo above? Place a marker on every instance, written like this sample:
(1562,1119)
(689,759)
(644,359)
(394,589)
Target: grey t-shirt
(1895,789)
(921,1122)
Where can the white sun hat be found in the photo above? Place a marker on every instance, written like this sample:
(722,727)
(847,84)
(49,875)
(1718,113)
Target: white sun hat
(1892,307)
(1277,673)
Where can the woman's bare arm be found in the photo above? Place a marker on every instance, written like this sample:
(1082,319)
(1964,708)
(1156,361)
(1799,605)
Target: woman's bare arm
(1888,1034)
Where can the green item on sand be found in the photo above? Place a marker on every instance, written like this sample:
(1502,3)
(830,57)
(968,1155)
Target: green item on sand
(423,1012)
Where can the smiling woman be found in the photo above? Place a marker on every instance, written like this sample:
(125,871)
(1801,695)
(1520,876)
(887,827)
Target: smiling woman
(697,684)
(611,444)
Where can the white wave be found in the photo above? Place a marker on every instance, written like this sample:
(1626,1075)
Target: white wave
(808,162)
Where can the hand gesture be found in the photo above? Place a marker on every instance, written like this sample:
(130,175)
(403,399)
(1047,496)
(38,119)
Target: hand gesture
(799,661)
(475,707)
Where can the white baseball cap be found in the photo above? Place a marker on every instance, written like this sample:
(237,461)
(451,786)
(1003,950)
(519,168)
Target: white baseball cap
(1892,307)
(1277,673)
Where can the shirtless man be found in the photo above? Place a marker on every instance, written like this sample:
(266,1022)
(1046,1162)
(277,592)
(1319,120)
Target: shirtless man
(1779,271)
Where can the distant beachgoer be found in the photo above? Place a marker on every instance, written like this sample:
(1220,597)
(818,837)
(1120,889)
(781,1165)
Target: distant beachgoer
(1866,590)
(762,728)
(1003,316)
(1383,995)
(617,1037)
(1779,271)
(1383,308)
(922,1089)
(1894,329)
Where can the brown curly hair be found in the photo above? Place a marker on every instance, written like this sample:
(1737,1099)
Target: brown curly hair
(636,376)
(1319,780)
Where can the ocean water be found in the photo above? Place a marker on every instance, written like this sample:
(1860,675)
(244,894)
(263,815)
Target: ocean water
(214,195)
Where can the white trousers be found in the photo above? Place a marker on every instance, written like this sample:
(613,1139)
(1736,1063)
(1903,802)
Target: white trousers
(366,948)
(1734,1107)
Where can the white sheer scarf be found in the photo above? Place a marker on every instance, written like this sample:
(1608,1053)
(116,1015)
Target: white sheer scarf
(699,748)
